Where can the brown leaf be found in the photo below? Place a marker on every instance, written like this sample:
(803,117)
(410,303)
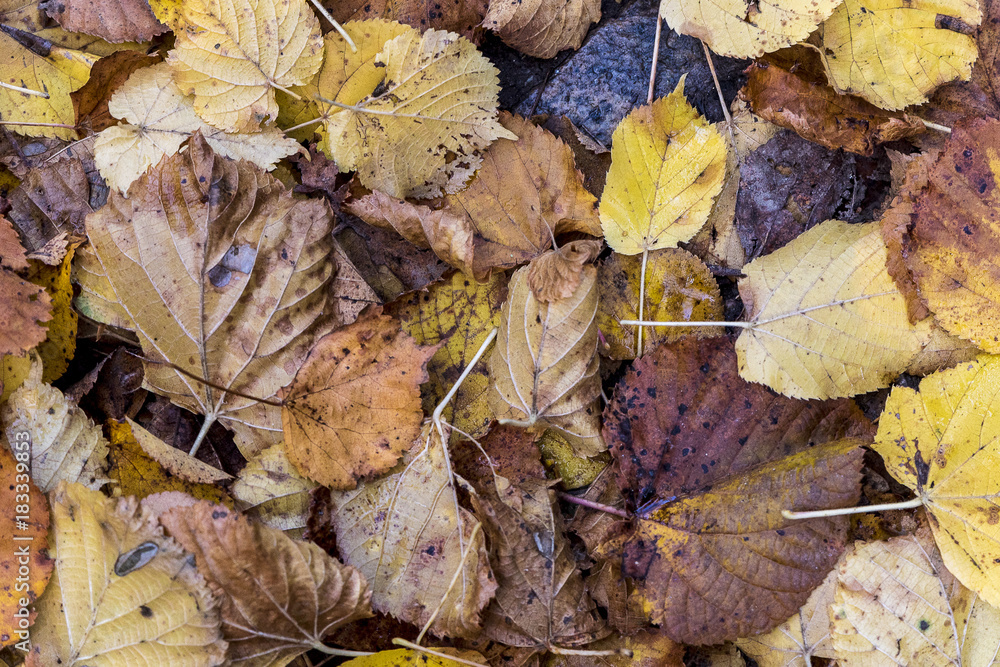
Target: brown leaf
(542,28)
(354,405)
(24,307)
(794,94)
(280,596)
(647,648)
(12,254)
(107,75)
(508,216)
(694,444)
(592,159)
(512,451)
(541,599)
(112,20)
(556,274)
(461,16)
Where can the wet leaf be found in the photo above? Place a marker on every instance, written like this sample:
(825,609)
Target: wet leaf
(542,28)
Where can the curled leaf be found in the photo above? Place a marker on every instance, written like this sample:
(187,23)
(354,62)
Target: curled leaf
(556,274)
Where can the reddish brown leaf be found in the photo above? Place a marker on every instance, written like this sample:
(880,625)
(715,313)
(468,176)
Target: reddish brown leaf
(12,254)
(24,307)
(461,16)
(112,20)
(108,74)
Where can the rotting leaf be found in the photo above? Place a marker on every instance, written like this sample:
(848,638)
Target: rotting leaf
(354,405)
(710,563)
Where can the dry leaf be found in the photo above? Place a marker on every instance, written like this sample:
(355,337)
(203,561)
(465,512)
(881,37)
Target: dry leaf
(271,491)
(572,471)
(231,283)
(354,405)
(938,442)
(404,657)
(505,217)
(65,444)
(893,53)
(896,604)
(233,58)
(142,600)
(159,118)
(115,21)
(174,461)
(557,274)
(107,75)
(24,308)
(542,28)
(12,253)
(463,17)
(710,461)
(678,287)
(392,114)
(826,320)
(543,370)
(647,648)
(423,554)
(279,596)
(667,166)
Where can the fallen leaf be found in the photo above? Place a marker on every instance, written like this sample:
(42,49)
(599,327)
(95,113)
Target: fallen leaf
(459,314)
(107,75)
(799,98)
(556,274)
(647,648)
(271,491)
(423,554)
(116,21)
(711,565)
(24,308)
(230,283)
(279,596)
(65,444)
(938,442)
(12,253)
(143,600)
(463,17)
(572,471)
(404,657)
(159,118)
(896,604)
(667,167)
(811,336)
(390,113)
(504,218)
(541,599)
(349,291)
(953,223)
(543,370)
(507,451)
(542,28)
(354,405)
(894,53)
(678,287)
(742,29)
(59,346)
(174,461)
(233,58)
(25,566)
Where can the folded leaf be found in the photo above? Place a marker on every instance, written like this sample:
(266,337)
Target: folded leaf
(272,491)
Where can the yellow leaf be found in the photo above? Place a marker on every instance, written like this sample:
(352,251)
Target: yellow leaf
(573,471)
(667,166)
(826,319)
(418,99)
(896,604)
(97,299)
(121,594)
(892,52)
(943,443)
(233,57)
(542,28)
(423,554)
(404,657)
(230,284)
(159,118)
(65,444)
(543,370)
(743,28)
(270,490)
(679,287)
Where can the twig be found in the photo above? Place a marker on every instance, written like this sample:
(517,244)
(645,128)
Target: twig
(336,26)
(656,58)
(815,514)
(583,502)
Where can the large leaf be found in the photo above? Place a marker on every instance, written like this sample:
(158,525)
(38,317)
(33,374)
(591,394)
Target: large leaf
(223,273)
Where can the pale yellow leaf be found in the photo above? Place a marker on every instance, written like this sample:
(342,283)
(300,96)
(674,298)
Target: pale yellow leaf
(270,490)
(174,460)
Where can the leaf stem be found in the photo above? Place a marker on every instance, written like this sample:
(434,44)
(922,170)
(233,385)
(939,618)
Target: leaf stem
(336,26)
(318,119)
(934,126)
(208,383)
(294,96)
(205,425)
(902,505)
(344,653)
(644,323)
(588,652)
(436,416)
(600,507)
(429,651)
(642,296)
(656,58)
(12,122)
(26,91)
(718,89)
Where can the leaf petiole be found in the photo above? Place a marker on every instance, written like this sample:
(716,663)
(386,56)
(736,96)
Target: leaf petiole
(816,514)
(645,323)
(336,26)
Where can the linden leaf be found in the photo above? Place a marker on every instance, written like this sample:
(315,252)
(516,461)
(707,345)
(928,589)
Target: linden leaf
(938,442)
(417,97)
(646,648)
(668,165)
(280,596)
(354,406)
(25,566)
(826,320)
(556,275)
(423,554)
(404,657)
(893,52)
(746,29)
(159,118)
(233,58)
(954,221)
(544,365)
(24,308)
(542,28)
(270,490)
(463,17)
(505,217)
(541,599)
(115,21)
(896,604)
(65,444)
(121,591)
(678,287)
(223,273)
(710,461)
(459,312)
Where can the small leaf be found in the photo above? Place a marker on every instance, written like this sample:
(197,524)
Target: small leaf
(404,657)
(270,490)
(542,28)
(115,21)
